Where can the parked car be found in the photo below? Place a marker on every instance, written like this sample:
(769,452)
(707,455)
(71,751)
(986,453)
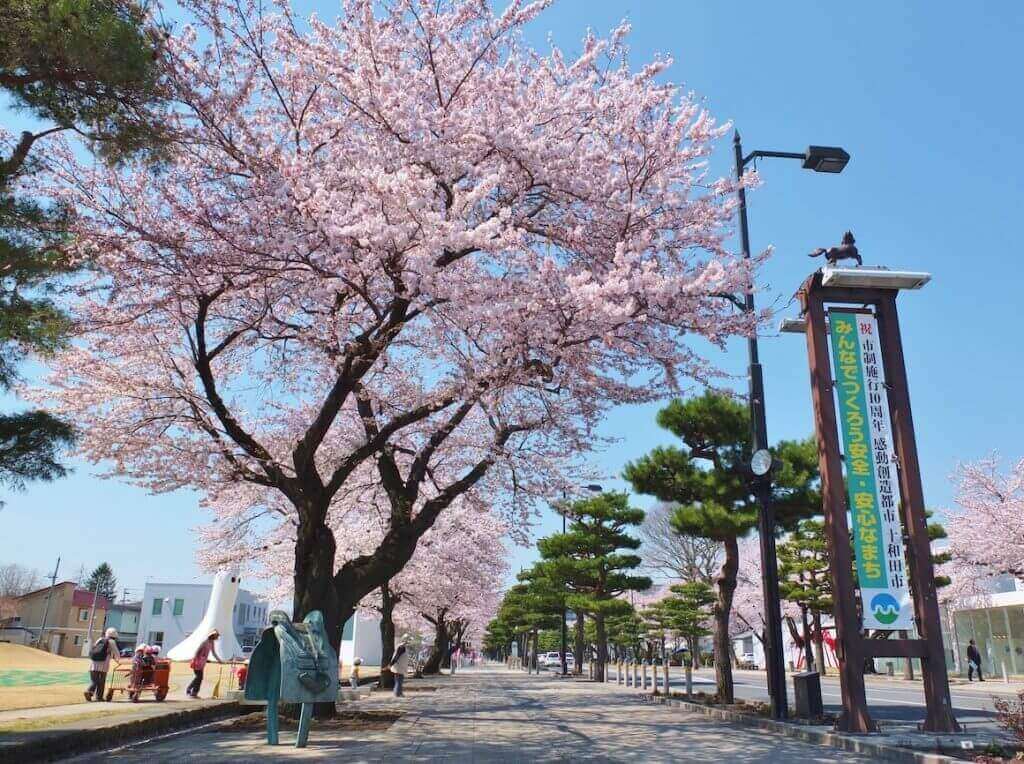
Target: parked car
(549,660)
(747,661)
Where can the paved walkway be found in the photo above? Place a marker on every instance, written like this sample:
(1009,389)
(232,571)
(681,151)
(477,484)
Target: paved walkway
(496,715)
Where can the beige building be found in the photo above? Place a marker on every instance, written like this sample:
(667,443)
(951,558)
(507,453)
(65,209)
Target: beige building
(66,631)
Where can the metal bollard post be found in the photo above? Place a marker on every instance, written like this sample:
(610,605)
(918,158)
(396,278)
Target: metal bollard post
(643,679)
(667,691)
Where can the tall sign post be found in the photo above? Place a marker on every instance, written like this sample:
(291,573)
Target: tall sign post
(864,379)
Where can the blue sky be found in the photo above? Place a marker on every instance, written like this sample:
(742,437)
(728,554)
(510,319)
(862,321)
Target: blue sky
(924,96)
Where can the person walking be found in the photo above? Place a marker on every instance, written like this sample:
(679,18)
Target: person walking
(103,650)
(973,662)
(199,661)
(399,665)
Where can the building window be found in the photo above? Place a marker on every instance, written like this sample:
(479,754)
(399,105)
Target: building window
(158,606)
(179,607)
(78,639)
(83,614)
(156,638)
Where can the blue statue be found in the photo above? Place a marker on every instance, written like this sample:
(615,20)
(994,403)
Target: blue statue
(293,663)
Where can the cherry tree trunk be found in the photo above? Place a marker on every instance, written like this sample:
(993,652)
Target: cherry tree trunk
(723,606)
(314,588)
(439,650)
(387,636)
(694,644)
(819,650)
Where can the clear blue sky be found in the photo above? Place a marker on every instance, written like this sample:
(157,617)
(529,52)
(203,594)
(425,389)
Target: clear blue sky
(926,98)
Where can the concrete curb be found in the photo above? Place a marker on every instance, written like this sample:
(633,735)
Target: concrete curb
(74,742)
(849,743)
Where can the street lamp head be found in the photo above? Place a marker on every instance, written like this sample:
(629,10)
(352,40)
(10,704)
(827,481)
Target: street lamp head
(593,488)
(825,159)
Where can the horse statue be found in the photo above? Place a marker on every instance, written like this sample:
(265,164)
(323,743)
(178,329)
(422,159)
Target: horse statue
(845,251)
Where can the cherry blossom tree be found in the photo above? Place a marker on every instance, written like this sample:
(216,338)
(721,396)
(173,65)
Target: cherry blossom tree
(991,508)
(401,233)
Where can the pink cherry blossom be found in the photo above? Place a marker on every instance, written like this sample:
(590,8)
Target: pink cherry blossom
(401,248)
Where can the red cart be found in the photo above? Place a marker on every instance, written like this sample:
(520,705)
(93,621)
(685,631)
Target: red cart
(137,681)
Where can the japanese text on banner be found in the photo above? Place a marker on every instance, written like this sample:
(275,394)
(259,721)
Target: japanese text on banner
(870,472)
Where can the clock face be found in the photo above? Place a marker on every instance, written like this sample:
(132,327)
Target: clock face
(761,462)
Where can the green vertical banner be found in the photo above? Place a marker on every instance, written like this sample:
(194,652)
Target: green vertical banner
(870,471)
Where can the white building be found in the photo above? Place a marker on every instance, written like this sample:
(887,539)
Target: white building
(170,612)
(361,639)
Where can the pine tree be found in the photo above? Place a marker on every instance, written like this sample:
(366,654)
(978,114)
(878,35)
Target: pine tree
(624,632)
(709,481)
(84,65)
(103,581)
(804,579)
(588,561)
(689,608)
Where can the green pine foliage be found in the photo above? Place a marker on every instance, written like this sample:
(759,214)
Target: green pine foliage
(103,581)
(706,477)
(88,66)
(804,567)
(593,561)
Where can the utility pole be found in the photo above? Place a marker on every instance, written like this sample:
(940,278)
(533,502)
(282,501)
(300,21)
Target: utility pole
(92,612)
(46,610)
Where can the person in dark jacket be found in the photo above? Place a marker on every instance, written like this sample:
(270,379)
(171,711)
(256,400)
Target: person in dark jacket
(973,662)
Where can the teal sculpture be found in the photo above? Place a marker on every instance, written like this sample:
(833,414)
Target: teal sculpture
(293,663)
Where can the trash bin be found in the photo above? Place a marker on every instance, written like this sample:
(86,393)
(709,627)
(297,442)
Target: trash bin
(807,695)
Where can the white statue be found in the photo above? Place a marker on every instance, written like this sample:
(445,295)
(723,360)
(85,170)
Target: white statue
(218,617)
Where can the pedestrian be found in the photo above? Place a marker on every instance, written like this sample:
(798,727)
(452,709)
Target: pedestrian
(103,649)
(353,677)
(199,660)
(973,662)
(399,665)
(139,666)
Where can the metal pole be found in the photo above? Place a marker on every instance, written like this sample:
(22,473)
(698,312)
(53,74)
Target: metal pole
(46,610)
(565,666)
(766,517)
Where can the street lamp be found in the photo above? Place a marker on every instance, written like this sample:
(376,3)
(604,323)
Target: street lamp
(593,488)
(828,159)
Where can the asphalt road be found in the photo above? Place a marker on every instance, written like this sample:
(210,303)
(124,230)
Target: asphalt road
(896,702)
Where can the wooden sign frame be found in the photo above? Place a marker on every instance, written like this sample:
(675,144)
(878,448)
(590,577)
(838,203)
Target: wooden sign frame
(852,648)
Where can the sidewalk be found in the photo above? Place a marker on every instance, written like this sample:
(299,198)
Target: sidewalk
(34,733)
(496,715)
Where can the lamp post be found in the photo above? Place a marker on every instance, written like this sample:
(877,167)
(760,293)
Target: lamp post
(564,666)
(828,159)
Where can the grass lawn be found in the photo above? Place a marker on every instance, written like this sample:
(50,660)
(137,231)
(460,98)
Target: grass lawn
(31,678)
